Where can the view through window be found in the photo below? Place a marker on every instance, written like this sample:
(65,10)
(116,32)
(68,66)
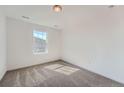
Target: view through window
(39,42)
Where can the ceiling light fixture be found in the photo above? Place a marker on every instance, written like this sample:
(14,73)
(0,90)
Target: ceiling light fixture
(57,8)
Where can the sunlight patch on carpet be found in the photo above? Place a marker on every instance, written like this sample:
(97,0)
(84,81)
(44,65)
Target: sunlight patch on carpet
(53,67)
(67,70)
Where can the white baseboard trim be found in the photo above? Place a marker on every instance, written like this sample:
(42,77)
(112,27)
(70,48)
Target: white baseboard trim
(11,69)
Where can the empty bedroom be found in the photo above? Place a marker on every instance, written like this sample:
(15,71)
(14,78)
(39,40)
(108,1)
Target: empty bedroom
(61,46)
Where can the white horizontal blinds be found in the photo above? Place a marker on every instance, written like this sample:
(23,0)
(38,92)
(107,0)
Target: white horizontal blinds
(39,42)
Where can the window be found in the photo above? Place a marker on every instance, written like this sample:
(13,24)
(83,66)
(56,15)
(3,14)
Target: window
(39,42)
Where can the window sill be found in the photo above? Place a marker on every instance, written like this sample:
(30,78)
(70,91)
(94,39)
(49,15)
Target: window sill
(40,53)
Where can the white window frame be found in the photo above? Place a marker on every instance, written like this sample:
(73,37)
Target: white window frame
(46,51)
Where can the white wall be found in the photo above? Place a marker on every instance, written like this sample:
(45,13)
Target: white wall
(20,44)
(2,45)
(94,39)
